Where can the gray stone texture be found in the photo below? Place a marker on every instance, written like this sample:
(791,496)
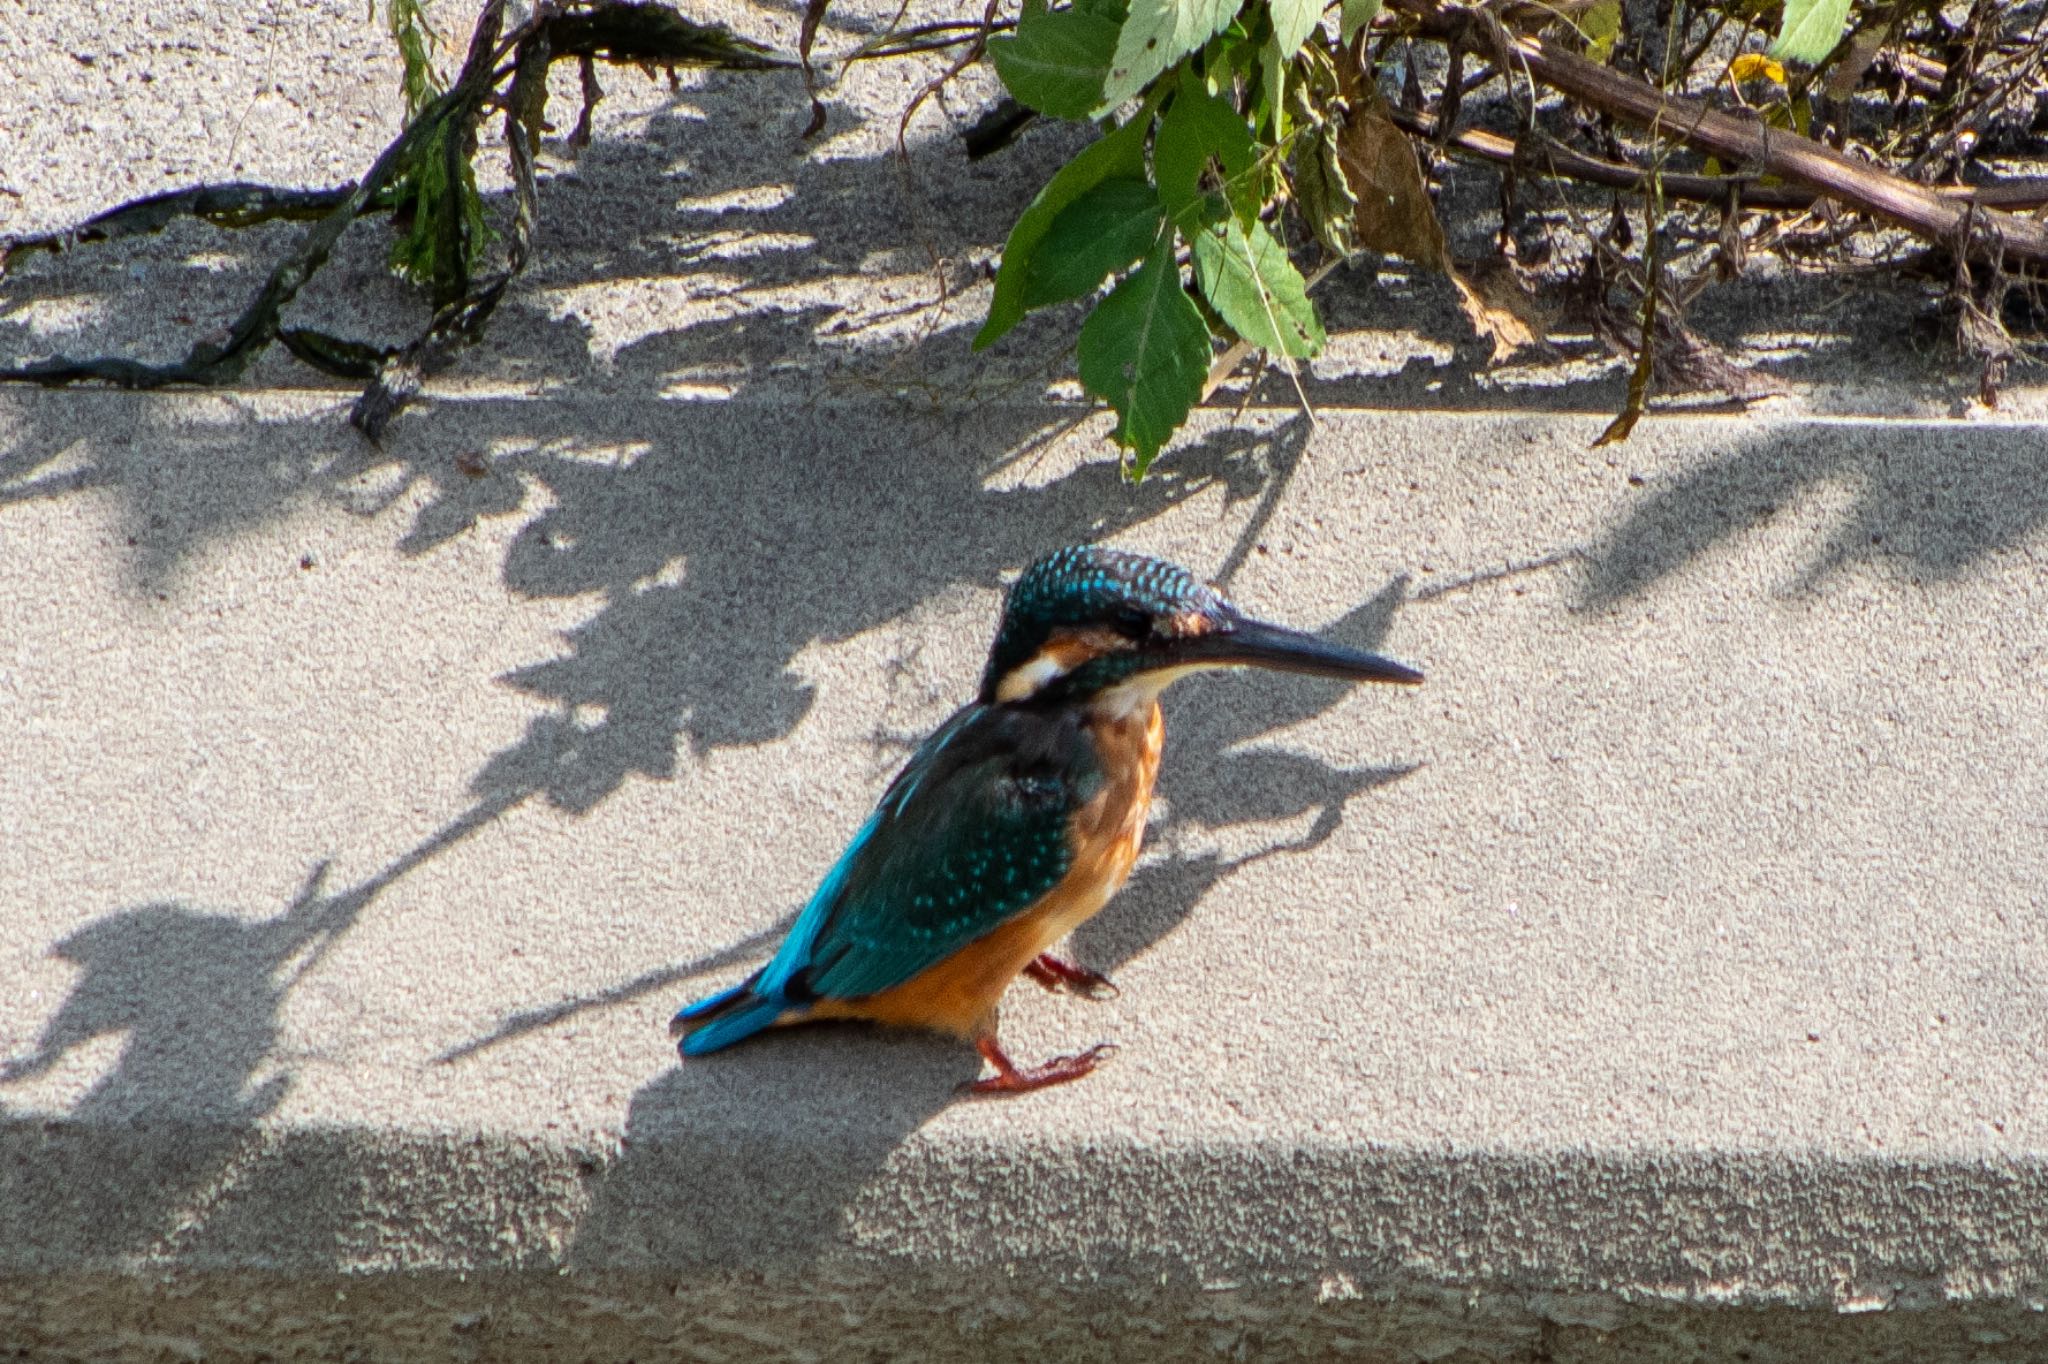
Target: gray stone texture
(1661,980)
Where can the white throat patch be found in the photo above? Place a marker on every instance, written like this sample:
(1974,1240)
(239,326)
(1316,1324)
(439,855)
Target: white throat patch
(1127,698)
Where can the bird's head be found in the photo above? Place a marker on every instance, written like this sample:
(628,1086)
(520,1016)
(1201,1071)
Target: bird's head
(1087,623)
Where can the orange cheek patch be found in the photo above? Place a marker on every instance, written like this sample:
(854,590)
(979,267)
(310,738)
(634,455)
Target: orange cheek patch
(1063,653)
(1073,648)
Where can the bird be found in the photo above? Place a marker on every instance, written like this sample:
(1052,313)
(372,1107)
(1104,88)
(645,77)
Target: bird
(1015,820)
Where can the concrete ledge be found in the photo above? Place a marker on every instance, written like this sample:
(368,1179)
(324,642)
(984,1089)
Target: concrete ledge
(1659,972)
(844,1243)
(679,1195)
(1662,980)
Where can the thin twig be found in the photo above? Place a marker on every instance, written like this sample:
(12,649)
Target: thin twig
(1869,189)
(1563,162)
(613,30)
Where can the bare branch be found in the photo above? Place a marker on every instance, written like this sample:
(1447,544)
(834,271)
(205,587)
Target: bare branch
(1959,223)
(1562,162)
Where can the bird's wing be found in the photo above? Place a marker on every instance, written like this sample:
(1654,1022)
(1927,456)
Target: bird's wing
(972,831)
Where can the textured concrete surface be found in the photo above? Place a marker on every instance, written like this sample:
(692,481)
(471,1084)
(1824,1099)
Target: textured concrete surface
(1663,979)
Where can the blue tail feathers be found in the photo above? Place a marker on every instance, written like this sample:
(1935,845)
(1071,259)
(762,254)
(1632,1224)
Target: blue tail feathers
(724,1018)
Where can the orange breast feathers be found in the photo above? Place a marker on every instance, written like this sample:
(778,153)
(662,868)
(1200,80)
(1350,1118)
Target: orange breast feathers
(959,995)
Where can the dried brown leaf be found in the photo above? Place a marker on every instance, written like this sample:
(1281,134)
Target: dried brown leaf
(1499,308)
(1848,71)
(1395,216)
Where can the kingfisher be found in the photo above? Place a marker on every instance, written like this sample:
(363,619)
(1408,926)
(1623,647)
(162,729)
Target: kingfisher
(1017,819)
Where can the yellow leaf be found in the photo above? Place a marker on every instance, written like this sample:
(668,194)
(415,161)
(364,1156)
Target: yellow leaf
(1752,66)
(1600,27)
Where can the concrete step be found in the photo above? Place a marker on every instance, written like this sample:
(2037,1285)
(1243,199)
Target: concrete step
(1675,943)
(1661,980)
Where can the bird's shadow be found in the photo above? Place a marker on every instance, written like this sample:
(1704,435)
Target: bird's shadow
(196,998)
(709,1144)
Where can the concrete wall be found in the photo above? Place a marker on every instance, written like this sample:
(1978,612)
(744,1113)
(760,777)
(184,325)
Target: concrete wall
(1663,978)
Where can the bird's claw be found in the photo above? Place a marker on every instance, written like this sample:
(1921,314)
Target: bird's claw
(1011,1079)
(1057,974)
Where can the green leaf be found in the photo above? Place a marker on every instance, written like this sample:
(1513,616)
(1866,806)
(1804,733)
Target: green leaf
(1247,278)
(1156,34)
(1145,352)
(1293,21)
(1325,196)
(1102,231)
(1057,60)
(1112,10)
(1203,146)
(1270,111)
(1355,16)
(1811,29)
(1118,155)
(1230,56)
(414,35)
(448,231)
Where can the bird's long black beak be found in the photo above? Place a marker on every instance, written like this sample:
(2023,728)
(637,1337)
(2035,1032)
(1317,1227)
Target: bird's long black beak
(1257,644)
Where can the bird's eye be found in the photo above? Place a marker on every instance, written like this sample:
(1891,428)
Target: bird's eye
(1133,623)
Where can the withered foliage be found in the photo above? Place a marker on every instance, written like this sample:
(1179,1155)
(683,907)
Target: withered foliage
(1663,147)
(424,174)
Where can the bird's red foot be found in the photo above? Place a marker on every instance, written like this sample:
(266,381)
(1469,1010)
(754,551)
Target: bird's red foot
(1010,1079)
(1056,974)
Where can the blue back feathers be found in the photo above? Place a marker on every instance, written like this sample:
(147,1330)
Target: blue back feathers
(973,830)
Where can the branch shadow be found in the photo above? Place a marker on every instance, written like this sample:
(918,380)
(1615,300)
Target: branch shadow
(196,998)
(714,573)
(692,254)
(1931,507)
(1212,777)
